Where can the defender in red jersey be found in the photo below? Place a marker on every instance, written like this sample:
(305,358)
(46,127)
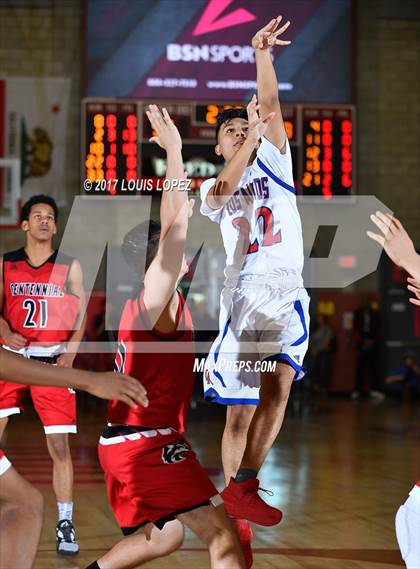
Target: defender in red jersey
(20,502)
(42,296)
(171,399)
(153,477)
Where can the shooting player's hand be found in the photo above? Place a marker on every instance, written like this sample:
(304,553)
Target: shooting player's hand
(268,35)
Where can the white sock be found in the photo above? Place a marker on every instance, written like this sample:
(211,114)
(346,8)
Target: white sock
(65,511)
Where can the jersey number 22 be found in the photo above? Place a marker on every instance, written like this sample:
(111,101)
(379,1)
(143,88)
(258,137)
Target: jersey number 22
(269,238)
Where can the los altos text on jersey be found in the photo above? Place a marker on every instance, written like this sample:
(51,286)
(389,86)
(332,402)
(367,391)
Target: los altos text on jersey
(257,189)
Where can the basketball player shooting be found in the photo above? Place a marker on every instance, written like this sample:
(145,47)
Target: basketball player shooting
(155,483)
(42,302)
(263,307)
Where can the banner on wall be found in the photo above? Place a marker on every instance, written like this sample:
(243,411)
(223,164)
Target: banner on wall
(201,49)
(33,134)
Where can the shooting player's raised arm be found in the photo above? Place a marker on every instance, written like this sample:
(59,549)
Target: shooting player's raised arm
(267,83)
(228,179)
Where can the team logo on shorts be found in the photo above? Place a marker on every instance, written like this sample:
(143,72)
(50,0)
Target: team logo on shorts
(175,452)
(207,376)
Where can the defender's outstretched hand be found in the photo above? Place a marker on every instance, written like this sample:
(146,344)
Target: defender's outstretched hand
(268,35)
(167,133)
(396,243)
(110,385)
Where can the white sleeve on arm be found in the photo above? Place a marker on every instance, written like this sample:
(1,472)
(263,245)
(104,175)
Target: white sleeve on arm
(270,159)
(213,214)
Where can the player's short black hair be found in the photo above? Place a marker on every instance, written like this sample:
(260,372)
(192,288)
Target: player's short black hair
(228,115)
(140,242)
(34,200)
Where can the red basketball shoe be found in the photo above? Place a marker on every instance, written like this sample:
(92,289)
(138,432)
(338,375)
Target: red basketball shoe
(243,527)
(242,501)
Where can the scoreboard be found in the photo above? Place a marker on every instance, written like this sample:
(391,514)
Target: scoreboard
(110,147)
(117,154)
(327,168)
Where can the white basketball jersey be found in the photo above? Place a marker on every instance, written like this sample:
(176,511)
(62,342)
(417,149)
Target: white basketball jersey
(260,223)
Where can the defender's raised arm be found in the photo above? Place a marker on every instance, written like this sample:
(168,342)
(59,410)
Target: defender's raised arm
(167,267)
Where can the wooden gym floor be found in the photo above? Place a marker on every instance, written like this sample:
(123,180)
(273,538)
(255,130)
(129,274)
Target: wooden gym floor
(339,471)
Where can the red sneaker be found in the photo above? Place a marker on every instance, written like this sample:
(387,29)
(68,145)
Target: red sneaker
(242,501)
(245,534)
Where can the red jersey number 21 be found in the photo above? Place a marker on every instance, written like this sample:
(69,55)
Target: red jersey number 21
(268,237)
(36,313)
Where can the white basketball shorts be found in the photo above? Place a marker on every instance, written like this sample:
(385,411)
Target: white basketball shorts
(259,324)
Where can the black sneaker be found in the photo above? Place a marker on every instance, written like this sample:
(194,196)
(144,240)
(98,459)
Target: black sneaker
(66,538)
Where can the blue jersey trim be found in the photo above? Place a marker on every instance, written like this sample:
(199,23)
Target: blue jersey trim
(212,396)
(219,377)
(274,177)
(217,351)
(285,357)
(299,309)
(225,330)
